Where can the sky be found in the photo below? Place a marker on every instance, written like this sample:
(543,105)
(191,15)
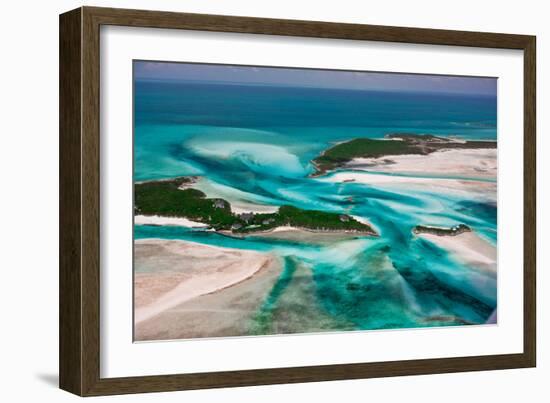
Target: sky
(296,77)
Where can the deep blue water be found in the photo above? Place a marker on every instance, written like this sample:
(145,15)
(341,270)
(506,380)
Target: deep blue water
(253,144)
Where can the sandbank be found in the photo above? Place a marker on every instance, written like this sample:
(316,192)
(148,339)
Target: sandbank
(484,190)
(468,248)
(472,163)
(184,289)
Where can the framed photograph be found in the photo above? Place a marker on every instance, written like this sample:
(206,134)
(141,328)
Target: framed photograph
(249,201)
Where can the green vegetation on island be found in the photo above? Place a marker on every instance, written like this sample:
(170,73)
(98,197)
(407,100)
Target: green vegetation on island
(173,198)
(169,199)
(441,231)
(306,219)
(393,144)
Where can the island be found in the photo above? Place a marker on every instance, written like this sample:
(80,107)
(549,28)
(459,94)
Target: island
(176,198)
(441,231)
(393,144)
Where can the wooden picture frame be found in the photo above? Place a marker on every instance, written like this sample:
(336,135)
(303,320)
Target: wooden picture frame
(79,346)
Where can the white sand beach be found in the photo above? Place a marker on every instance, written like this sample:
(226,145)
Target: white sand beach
(472,163)
(159,220)
(172,273)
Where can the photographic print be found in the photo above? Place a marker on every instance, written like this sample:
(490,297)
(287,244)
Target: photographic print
(274,200)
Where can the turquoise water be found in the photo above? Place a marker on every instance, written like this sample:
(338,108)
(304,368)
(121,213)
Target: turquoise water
(254,144)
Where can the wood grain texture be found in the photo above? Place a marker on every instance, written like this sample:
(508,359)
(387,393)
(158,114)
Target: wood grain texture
(530,202)
(90,202)
(70,271)
(80,200)
(316,29)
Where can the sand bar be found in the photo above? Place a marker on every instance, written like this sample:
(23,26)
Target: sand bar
(483,190)
(471,163)
(469,248)
(171,272)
